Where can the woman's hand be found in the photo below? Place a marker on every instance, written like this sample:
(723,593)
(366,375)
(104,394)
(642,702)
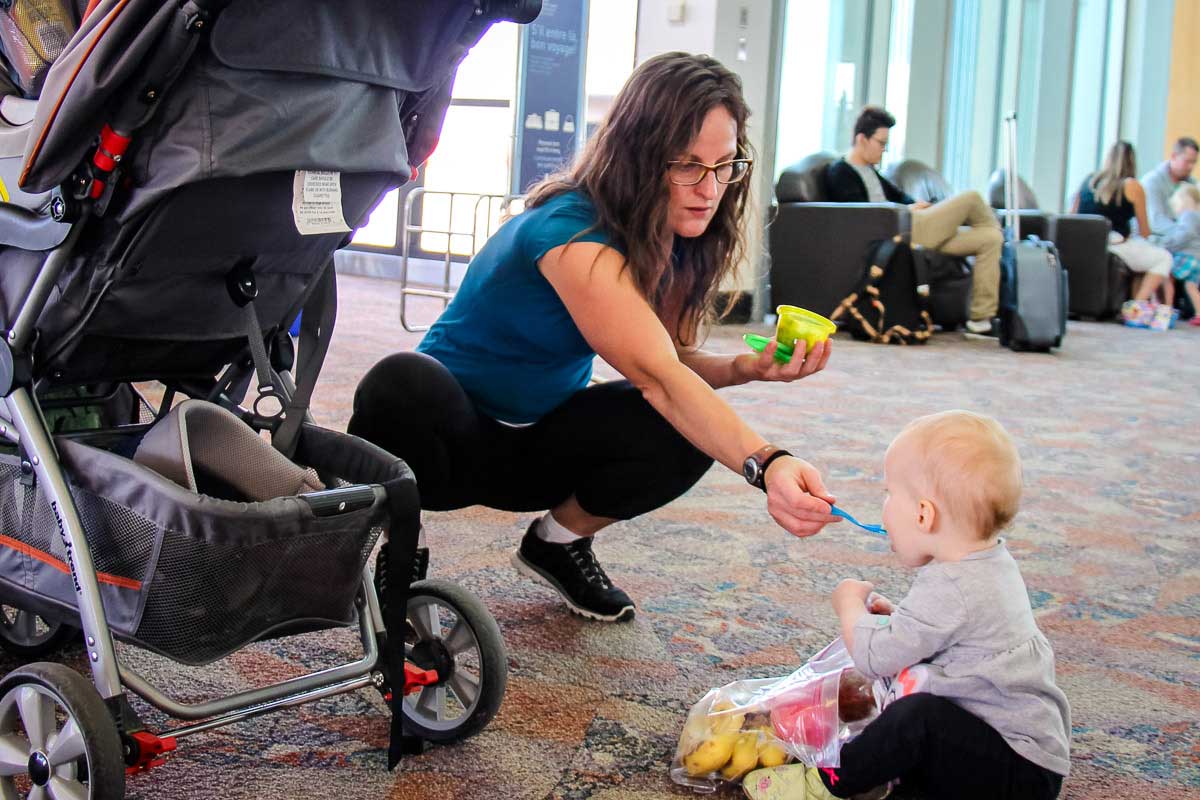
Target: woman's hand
(797,498)
(764,367)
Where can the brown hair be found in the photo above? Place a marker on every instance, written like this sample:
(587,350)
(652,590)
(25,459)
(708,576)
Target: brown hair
(623,170)
(871,119)
(1109,183)
(970,464)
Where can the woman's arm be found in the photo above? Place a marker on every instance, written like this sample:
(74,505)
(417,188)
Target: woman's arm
(1137,195)
(623,329)
(719,371)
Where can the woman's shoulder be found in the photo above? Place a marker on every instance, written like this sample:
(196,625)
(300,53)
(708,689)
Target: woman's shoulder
(569,216)
(572,202)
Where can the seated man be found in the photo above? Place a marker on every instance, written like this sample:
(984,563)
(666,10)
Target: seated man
(854,179)
(1160,183)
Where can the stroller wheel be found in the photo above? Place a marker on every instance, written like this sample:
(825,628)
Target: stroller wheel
(452,632)
(24,633)
(57,738)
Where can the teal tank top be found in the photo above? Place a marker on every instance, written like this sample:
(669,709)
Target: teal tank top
(506,336)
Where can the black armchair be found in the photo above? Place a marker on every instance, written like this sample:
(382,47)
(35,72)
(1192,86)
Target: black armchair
(1093,278)
(819,249)
(918,180)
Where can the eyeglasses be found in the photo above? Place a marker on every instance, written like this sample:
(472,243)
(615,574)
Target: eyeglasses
(689,173)
(882,143)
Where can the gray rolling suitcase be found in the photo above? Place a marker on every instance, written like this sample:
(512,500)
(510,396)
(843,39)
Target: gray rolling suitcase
(1033,283)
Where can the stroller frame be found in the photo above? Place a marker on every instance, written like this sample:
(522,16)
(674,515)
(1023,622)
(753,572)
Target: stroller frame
(22,424)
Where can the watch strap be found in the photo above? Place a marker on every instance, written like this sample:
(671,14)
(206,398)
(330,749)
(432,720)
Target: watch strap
(764,456)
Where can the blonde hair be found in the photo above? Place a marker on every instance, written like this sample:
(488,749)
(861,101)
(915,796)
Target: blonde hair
(969,463)
(1185,193)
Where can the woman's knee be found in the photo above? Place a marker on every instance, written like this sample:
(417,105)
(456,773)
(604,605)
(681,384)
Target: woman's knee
(1162,263)
(650,430)
(643,462)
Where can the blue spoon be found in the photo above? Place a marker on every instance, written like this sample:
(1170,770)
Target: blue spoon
(877,529)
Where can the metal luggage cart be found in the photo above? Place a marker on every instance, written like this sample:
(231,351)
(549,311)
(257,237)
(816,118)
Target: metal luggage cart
(489,211)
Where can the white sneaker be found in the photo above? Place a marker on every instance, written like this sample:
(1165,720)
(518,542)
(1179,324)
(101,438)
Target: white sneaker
(982,327)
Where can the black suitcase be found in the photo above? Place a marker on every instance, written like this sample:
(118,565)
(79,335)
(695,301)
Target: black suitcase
(1033,283)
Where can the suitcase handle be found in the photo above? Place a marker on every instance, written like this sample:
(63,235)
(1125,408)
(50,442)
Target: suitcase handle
(1012,220)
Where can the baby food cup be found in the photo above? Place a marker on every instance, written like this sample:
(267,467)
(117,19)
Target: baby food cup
(799,324)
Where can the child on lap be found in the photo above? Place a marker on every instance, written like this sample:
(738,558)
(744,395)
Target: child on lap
(1185,205)
(972,709)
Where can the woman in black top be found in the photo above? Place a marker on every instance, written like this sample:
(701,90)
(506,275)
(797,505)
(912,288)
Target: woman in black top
(1115,193)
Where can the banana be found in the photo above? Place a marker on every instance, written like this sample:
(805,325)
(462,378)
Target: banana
(745,756)
(711,755)
(725,723)
(770,754)
(695,731)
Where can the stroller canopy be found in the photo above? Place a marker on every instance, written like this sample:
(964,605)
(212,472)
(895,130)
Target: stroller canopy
(352,86)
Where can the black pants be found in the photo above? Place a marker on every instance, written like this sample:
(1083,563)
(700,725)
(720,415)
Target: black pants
(606,445)
(937,747)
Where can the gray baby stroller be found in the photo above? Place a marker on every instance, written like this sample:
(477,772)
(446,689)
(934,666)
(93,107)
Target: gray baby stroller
(168,205)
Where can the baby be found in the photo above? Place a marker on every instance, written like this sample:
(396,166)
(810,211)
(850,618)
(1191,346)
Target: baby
(1185,205)
(971,707)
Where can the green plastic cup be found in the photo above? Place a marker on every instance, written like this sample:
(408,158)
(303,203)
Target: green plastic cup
(799,324)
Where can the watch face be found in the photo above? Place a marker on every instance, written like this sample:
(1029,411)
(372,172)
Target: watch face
(750,469)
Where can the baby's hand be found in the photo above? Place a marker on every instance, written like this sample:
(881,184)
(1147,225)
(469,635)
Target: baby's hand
(878,604)
(850,591)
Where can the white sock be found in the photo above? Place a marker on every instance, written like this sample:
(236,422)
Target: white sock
(551,530)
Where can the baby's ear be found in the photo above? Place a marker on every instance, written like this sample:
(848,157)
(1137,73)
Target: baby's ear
(927,516)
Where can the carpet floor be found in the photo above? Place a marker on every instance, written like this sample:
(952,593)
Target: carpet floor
(1109,430)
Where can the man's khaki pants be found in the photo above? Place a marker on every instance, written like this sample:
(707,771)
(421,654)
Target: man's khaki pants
(940,227)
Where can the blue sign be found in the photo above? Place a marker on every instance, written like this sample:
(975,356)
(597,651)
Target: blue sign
(550,105)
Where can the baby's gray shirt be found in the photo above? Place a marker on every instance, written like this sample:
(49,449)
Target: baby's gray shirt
(965,631)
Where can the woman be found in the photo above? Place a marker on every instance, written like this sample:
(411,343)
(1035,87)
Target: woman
(620,256)
(1115,193)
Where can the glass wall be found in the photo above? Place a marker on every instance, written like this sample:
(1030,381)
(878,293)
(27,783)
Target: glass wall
(838,56)
(1095,109)
(975,101)
(474,153)
(1058,66)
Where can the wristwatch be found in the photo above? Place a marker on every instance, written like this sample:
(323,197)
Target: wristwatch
(754,468)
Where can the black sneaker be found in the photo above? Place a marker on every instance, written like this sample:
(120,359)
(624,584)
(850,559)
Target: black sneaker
(572,570)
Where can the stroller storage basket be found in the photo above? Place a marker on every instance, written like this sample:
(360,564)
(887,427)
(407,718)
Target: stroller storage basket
(190,576)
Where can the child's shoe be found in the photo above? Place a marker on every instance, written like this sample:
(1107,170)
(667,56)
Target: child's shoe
(1164,318)
(796,782)
(1137,313)
(1195,320)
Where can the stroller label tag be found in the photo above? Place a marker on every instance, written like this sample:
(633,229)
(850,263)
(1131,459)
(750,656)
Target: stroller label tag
(317,202)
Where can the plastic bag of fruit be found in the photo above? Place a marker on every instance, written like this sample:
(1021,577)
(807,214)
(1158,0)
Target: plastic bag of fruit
(765,722)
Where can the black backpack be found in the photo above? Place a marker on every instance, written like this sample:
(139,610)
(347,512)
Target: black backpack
(890,305)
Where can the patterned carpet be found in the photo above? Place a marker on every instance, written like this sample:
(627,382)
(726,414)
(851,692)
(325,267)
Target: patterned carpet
(1110,435)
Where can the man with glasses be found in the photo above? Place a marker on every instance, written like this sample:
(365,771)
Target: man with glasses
(962,225)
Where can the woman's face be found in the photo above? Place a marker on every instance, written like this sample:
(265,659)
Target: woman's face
(691,208)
